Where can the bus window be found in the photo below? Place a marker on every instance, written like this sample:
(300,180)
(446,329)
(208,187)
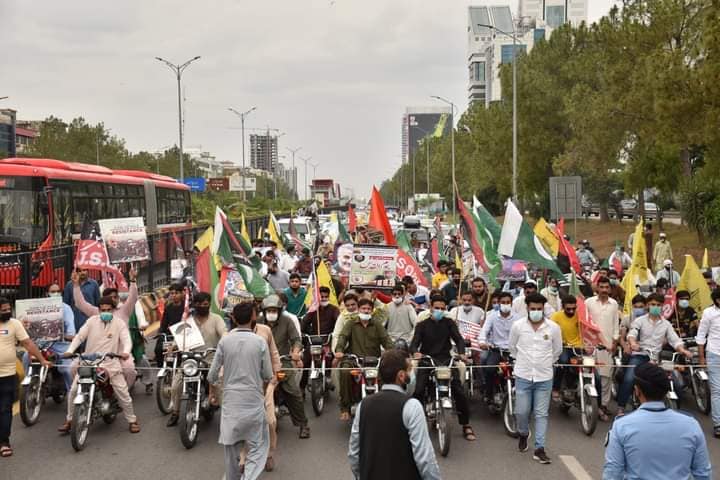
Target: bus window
(121,205)
(62,215)
(23,220)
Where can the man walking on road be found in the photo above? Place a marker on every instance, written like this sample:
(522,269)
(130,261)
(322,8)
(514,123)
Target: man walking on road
(654,441)
(245,359)
(536,344)
(663,251)
(390,440)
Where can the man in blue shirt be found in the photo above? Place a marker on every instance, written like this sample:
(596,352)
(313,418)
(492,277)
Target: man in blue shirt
(654,441)
(90,290)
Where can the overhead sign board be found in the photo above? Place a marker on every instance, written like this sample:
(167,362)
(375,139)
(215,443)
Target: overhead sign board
(236,183)
(196,184)
(565,197)
(219,184)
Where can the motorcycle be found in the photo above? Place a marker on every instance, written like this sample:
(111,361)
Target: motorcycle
(39,383)
(195,399)
(671,398)
(364,374)
(281,408)
(503,399)
(95,397)
(164,381)
(438,400)
(696,378)
(320,382)
(583,395)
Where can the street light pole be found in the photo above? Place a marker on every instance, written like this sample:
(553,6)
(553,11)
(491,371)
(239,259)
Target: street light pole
(178,70)
(514,106)
(294,151)
(452,141)
(305,161)
(242,116)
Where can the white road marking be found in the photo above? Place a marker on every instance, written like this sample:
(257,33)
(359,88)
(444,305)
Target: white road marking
(575,468)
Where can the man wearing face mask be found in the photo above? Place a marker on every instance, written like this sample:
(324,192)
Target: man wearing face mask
(106,333)
(617,292)
(684,318)
(647,336)
(389,437)
(452,288)
(495,336)
(401,316)
(12,333)
(519,304)
(318,322)
(467,311)
(90,293)
(552,294)
(363,335)
(536,344)
(432,338)
(287,339)
(278,279)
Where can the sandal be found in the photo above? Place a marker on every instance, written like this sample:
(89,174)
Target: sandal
(468,433)
(603,415)
(6,451)
(556,396)
(134,427)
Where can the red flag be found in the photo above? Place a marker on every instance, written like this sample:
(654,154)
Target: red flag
(178,245)
(407,266)
(352,219)
(617,264)
(92,255)
(591,334)
(378,217)
(566,249)
(668,308)
(202,271)
(433,255)
(473,240)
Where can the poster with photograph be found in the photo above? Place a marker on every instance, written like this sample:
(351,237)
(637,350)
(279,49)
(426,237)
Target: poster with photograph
(45,316)
(177,268)
(125,239)
(187,335)
(373,266)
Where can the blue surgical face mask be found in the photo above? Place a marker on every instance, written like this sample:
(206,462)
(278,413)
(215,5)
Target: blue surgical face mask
(683,303)
(638,312)
(536,315)
(655,310)
(438,314)
(106,317)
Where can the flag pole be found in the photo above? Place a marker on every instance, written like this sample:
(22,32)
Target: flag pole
(316,289)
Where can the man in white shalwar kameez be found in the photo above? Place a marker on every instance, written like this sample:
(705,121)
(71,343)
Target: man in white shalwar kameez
(245,359)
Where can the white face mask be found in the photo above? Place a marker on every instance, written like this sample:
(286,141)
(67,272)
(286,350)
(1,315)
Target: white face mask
(271,317)
(467,308)
(324,303)
(365,316)
(504,308)
(397,300)
(535,316)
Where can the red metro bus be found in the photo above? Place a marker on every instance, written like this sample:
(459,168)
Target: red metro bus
(43,204)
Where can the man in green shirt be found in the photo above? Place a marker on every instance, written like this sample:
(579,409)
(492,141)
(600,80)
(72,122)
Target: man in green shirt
(362,335)
(295,296)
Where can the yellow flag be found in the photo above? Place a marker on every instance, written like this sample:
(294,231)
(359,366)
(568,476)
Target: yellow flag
(693,281)
(547,236)
(324,280)
(205,240)
(639,252)
(243,229)
(706,263)
(274,232)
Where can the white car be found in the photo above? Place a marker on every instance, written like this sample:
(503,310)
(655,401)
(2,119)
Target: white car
(303,227)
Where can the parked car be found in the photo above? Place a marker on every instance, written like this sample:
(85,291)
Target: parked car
(303,227)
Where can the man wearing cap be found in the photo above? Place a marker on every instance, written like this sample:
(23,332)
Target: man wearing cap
(662,252)
(585,255)
(654,441)
(668,273)
(519,307)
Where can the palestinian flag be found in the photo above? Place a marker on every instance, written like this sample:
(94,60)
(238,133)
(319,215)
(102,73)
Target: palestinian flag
(518,241)
(484,254)
(255,284)
(403,241)
(432,257)
(589,330)
(226,243)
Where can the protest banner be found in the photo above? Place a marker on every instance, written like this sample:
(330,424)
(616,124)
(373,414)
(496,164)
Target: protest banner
(45,317)
(373,266)
(512,271)
(125,239)
(91,255)
(177,268)
(187,335)
(407,266)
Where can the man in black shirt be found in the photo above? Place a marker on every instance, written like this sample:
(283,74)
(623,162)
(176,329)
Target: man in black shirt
(174,308)
(432,338)
(684,318)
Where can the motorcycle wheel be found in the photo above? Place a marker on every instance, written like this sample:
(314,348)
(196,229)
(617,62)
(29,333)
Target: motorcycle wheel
(702,396)
(80,426)
(29,406)
(58,398)
(509,421)
(317,396)
(109,419)
(188,423)
(163,393)
(589,415)
(443,432)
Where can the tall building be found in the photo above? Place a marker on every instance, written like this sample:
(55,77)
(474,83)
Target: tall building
(553,13)
(480,36)
(421,122)
(7,132)
(264,152)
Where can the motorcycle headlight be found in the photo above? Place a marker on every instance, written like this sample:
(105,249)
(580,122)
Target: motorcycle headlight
(85,372)
(371,373)
(316,349)
(588,362)
(443,373)
(190,368)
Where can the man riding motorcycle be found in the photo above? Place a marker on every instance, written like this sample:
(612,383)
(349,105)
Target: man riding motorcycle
(287,339)
(362,335)
(105,333)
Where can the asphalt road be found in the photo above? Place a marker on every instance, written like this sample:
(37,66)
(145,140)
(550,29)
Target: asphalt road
(156,453)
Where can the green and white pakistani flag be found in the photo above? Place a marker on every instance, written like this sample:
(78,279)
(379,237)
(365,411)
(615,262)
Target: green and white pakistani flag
(254,282)
(518,241)
(490,228)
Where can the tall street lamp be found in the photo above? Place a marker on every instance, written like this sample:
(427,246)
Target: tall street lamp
(294,174)
(452,140)
(178,71)
(514,106)
(305,161)
(242,116)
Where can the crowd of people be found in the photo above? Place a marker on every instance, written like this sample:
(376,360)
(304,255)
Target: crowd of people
(539,327)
